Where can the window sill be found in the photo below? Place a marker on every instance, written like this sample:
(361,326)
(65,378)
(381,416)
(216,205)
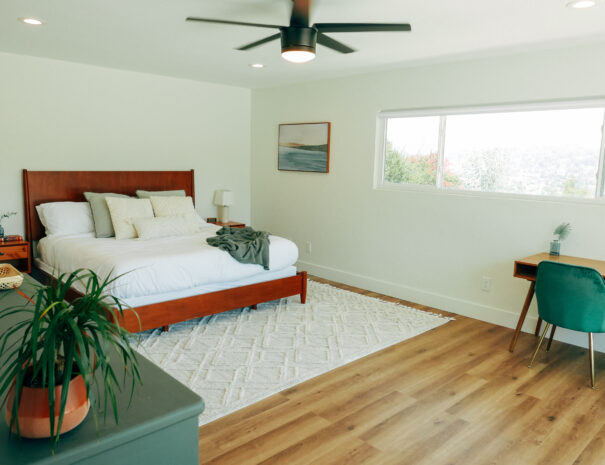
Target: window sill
(433,190)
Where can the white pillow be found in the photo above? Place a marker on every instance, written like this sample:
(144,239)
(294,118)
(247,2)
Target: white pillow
(124,212)
(172,206)
(40,212)
(166,226)
(64,218)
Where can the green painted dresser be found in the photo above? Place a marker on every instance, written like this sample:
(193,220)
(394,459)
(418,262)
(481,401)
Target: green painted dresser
(159,428)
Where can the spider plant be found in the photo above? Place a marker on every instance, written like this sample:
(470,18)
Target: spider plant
(58,340)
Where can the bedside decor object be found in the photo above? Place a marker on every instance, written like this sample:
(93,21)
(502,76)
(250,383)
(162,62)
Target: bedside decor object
(223,199)
(63,345)
(560,233)
(2,217)
(304,147)
(12,238)
(10,278)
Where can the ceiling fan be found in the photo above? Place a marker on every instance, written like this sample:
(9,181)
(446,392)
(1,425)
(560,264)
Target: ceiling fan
(299,39)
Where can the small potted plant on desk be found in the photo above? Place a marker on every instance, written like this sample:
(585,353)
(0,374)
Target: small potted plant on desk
(60,345)
(560,233)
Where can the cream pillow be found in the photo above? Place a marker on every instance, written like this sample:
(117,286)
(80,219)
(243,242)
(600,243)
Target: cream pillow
(172,206)
(166,226)
(124,212)
(176,206)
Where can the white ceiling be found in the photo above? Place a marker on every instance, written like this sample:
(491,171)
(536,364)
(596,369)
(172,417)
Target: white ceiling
(152,35)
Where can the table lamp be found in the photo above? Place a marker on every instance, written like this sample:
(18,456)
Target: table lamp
(223,199)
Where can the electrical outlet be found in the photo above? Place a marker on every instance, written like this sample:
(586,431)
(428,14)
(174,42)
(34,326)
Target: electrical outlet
(486,284)
(309,248)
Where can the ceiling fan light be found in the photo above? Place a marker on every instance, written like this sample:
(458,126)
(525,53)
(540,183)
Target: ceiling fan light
(298,56)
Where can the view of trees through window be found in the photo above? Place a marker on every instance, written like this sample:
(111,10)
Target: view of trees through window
(547,152)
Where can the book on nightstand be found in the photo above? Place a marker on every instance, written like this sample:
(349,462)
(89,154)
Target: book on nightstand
(13,238)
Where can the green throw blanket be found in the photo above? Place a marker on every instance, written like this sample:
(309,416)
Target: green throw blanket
(244,244)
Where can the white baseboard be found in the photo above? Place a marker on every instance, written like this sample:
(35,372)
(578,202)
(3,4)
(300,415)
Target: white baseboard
(498,316)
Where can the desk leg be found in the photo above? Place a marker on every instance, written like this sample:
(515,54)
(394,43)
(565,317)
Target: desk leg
(530,295)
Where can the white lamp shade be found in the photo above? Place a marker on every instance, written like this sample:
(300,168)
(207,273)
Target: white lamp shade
(224,198)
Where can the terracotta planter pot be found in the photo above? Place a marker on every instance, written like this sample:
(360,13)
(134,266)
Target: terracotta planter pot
(34,409)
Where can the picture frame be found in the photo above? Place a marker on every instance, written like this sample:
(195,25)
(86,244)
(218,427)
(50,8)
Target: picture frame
(304,147)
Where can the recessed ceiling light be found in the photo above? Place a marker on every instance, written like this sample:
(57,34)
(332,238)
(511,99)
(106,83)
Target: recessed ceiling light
(32,21)
(256,65)
(579,4)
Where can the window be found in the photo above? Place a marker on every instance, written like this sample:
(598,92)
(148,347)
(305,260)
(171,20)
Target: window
(531,150)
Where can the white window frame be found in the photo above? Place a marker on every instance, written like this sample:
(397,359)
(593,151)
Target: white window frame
(381,134)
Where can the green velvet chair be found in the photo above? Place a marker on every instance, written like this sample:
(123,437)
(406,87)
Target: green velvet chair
(571,297)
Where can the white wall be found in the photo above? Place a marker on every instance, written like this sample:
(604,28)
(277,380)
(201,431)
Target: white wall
(63,116)
(431,248)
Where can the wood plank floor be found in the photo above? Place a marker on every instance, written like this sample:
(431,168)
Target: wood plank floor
(453,395)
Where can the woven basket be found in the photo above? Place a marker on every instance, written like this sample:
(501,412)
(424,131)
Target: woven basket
(10,278)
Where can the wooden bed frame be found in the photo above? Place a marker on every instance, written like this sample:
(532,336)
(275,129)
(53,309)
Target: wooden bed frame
(57,186)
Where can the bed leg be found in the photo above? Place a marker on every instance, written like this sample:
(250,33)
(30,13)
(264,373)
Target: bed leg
(165,328)
(303,287)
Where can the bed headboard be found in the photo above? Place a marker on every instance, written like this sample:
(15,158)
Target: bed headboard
(60,186)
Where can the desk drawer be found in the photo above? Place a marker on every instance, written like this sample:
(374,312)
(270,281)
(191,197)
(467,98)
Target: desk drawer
(13,252)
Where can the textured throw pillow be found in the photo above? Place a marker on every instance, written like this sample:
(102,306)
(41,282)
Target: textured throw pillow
(165,226)
(171,206)
(146,194)
(100,212)
(64,218)
(124,212)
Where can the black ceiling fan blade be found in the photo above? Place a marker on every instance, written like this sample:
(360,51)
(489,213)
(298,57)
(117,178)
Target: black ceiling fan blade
(333,44)
(236,23)
(300,13)
(260,42)
(362,27)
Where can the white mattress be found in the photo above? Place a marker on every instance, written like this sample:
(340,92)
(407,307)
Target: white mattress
(162,269)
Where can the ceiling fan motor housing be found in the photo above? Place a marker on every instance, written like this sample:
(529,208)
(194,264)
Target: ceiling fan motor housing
(298,38)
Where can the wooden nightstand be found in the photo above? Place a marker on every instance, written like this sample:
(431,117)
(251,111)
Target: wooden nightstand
(233,224)
(17,254)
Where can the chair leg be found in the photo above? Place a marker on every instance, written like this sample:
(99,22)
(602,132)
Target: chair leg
(539,344)
(591,358)
(538,326)
(552,334)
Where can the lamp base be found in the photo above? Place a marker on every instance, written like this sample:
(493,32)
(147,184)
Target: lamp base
(223,214)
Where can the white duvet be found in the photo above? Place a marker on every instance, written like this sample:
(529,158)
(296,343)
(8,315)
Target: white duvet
(158,265)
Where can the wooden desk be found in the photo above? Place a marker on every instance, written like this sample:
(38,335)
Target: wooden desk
(527,268)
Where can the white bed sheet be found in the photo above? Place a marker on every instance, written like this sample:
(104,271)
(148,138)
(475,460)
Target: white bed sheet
(159,266)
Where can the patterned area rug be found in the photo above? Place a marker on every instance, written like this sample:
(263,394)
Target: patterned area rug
(240,357)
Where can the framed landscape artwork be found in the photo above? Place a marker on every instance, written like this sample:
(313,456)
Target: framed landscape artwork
(304,147)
